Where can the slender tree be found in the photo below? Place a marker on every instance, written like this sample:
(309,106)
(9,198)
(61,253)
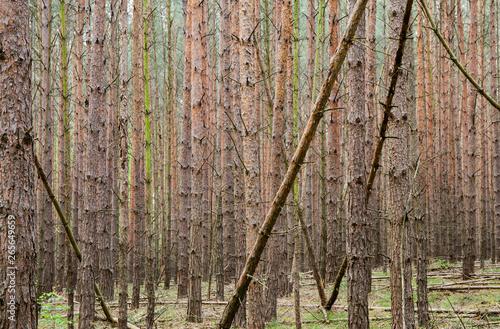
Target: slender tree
(198,144)
(185,163)
(46,239)
(123,167)
(94,185)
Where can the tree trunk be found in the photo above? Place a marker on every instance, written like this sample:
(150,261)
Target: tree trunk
(278,254)
(64,163)
(77,169)
(333,169)
(496,136)
(399,180)
(470,157)
(95,184)
(357,239)
(137,188)
(46,248)
(148,25)
(251,164)
(123,167)
(198,143)
(185,163)
(18,304)
(420,202)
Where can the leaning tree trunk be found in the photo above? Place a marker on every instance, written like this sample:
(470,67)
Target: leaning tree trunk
(17,199)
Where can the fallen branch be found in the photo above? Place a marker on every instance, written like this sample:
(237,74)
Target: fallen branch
(454,288)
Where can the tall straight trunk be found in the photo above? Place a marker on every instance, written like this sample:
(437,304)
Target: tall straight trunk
(481,159)
(292,101)
(240,223)
(198,143)
(64,151)
(399,176)
(170,144)
(46,240)
(409,232)
(295,272)
(277,255)
(251,120)
(105,239)
(77,168)
(357,239)
(148,25)
(496,135)
(185,163)
(333,169)
(123,164)
(227,118)
(136,211)
(470,157)
(371,122)
(420,219)
(95,166)
(18,307)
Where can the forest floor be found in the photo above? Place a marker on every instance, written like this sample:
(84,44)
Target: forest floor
(474,306)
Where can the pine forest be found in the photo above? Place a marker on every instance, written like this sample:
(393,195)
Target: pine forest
(249,164)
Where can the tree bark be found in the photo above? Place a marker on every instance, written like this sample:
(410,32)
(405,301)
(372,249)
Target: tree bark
(137,188)
(46,240)
(198,143)
(123,167)
(185,163)
(95,184)
(18,304)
